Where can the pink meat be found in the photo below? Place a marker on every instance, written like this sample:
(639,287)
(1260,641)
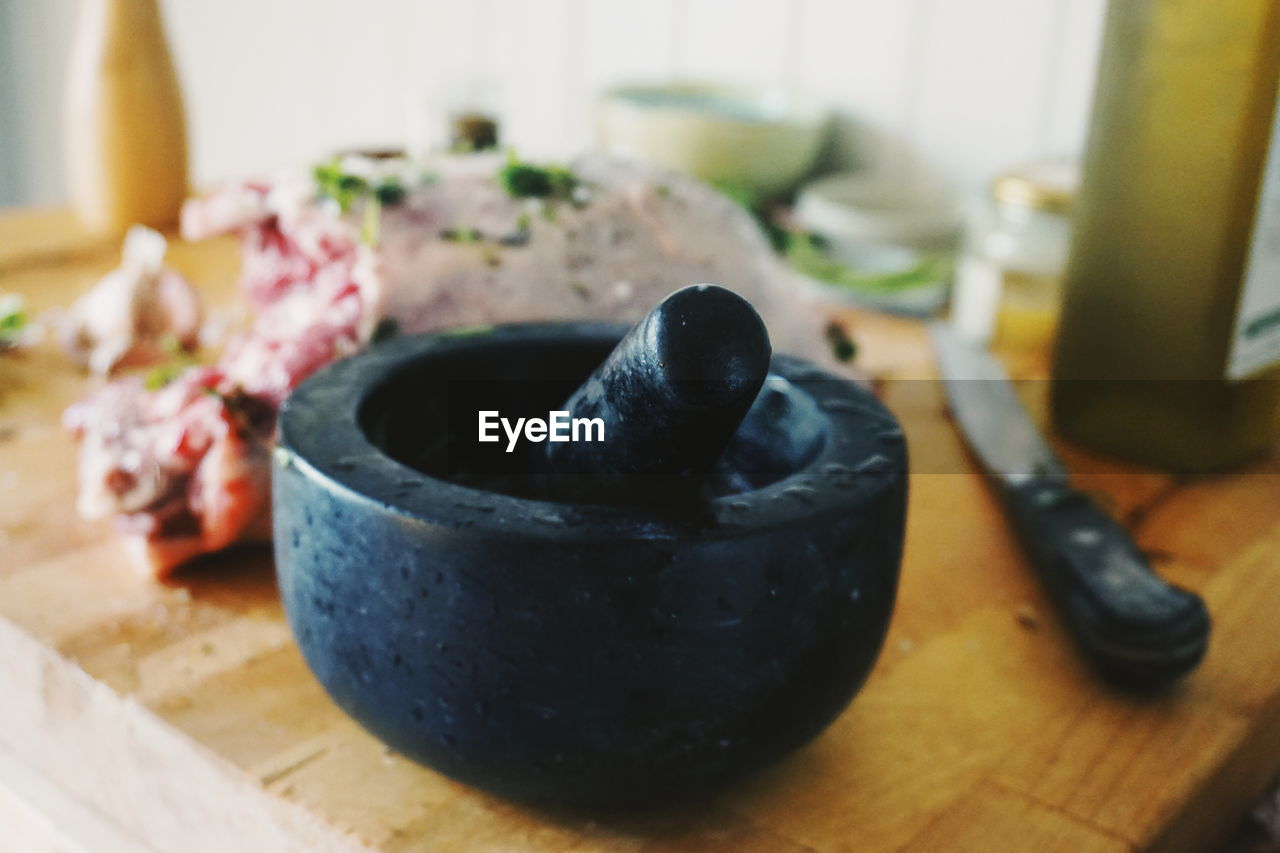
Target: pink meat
(185,469)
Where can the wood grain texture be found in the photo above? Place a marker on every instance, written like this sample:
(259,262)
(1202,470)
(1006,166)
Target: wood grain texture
(184,712)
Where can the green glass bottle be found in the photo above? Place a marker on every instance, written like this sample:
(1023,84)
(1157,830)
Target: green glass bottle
(1169,340)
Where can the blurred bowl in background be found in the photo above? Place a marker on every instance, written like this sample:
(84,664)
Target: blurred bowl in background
(742,138)
(887,244)
(877,223)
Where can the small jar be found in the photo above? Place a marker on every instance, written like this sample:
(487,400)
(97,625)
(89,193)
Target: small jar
(1009,279)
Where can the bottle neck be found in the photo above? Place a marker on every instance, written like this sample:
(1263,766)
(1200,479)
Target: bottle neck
(123,25)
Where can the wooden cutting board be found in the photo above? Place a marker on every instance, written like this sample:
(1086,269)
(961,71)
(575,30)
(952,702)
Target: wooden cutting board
(182,715)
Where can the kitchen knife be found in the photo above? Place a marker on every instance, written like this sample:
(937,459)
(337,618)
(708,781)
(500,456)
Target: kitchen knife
(1137,629)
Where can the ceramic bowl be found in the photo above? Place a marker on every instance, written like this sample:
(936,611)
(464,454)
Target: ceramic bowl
(579,653)
(747,139)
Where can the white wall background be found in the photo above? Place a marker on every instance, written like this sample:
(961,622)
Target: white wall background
(947,90)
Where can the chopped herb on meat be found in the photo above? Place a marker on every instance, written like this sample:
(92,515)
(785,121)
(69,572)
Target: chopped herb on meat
(345,187)
(389,192)
(158,377)
(342,187)
(461,235)
(843,347)
(525,180)
(386,329)
(162,374)
(519,237)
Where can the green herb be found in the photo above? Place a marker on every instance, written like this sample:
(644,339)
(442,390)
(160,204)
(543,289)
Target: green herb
(389,192)
(179,360)
(386,329)
(342,187)
(751,201)
(371,227)
(525,180)
(345,187)
(520,236)
(743,195)
(843,347)
(158,377)
(806,255)
(13,319)
(461,235)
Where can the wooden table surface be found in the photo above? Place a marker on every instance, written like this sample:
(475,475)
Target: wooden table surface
(182,715)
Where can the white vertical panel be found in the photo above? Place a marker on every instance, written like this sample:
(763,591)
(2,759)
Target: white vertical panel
(35,43)
(624,40)
(246,96)
(511,55)
(970,85)
(537,68)
(448,53)
(857,55)
(984,65)
(733,40)
(275,82)
(353,82)
(1071,96)
(621,41)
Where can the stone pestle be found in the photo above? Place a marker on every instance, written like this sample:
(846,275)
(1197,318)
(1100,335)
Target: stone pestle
(670,396)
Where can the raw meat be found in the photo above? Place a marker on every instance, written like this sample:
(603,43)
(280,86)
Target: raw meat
(185,468)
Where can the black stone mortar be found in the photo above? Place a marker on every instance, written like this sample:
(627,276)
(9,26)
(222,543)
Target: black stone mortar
(575,653)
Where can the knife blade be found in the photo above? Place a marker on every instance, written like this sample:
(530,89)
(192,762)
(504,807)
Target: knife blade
(1134,627)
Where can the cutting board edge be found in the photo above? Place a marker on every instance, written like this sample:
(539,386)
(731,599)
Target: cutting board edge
(118,757)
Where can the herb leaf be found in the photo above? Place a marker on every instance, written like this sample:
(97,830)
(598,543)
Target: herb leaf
(386,329)
(179,360)
(371,228)
(389,192)
(342,187)
(843,347)
(525,180)
(158,377)
(805,253)
(461,235)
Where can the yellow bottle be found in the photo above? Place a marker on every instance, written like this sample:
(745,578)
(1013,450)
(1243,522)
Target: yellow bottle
(1169,338)
(125,127)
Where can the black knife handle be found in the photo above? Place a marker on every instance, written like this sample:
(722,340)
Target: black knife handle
(1137,629)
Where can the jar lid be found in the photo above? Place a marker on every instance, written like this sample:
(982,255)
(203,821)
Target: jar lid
(1050,186)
